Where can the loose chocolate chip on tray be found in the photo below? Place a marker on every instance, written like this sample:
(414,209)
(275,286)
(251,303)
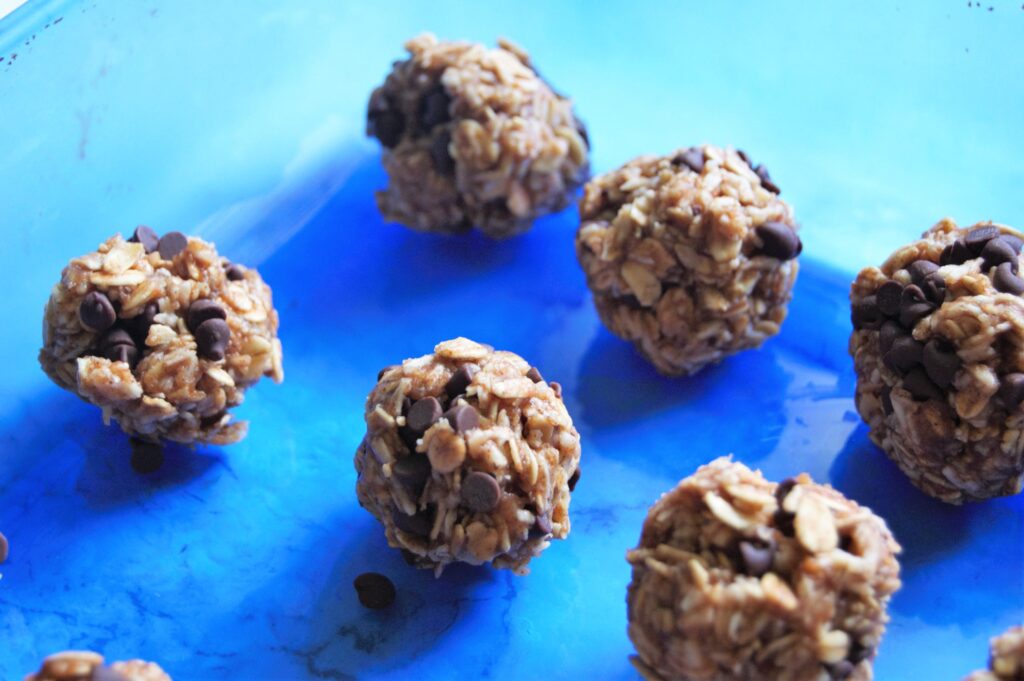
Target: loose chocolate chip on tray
(1006,281)
(460,380)
(1011,390)
(480,492)
(375,591)
(864,313)
(889,332)
(147,457)
(171,244)
(423,414)
(888,297)
(412,472)
(201,310)
(534,375)
(234,272)
(979,236)
(757,557)
(766,179)
(463,417)
(941,362)
(418,525)
(692,158)
(921,388)
(147,237)
(434,108)
(212,338)
(778,240)
(5,548)
(96,312)
(956,253)
(905,353)
(919,269)
(996,252)
(443,161)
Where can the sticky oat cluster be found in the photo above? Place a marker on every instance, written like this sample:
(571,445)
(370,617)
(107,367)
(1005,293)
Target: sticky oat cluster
(75,665)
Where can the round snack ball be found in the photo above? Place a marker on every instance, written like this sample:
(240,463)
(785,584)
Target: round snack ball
(690,256)
(937,332)
(1006,659)
(80,665)
(738,578)
(160,335)
(474,136)
(468,457)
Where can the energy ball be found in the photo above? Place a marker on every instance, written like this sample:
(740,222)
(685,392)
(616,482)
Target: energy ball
(162,334)
(1006,660)
(738,578)
(690,256)
(469,456)
(474,136)
(75,665)
(938,348)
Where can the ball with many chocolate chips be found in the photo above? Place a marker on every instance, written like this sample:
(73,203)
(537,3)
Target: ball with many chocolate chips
(738,578)
(937,337)
(473,136)
(469,456)
(1006,658)
(163,334)
(689,256)
(80,665)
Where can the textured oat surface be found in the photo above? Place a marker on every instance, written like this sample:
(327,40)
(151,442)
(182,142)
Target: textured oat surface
(677,258)
(166,389)
(473,136)
(938,347)
(739,579)
(75,665)
(1006,658)
(516,441)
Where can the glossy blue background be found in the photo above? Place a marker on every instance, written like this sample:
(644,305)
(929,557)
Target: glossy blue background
(243,122)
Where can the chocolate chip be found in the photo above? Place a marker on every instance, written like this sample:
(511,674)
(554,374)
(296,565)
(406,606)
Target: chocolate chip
(859,652)
(864,313)
(919,269)
(766,179)
(434,108)
(934,288)
(105,673)
(212,338)
(917,383)
(541,526)
(783,518)
(556,388)
(978,237)
(460,380)
(201,310)
(905,353)
(138,326)
(171,244)
(889,332)
(1006,281)
(996,252)
(116,336)
(375,591)
(913,306)
(840,671)
(534,375)
(956,253)
(234,272)
(1011,390)
(96,312)
(463,417)
(443,161)
(941,362)
(581,128)
(380,374)
(742,154)
(574,478)
(423,414)
(147,457)
(122,353)
(778,240)
(886,399)
(418,525)
(5,548)
(480,492)
(212,420)
(757,557)
(412,472)
(145,236)
(1013,242)
(888,297)
(692,158)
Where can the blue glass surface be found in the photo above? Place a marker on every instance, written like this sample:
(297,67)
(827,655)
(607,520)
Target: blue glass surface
(242,122)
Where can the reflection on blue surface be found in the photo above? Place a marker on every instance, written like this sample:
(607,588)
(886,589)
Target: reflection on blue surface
(238,562)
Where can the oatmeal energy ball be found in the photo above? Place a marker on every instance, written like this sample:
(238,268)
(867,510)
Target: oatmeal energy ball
(469,456)
(740,579)
(1006,660)
(474,136)
(938,347)
(163,334)
(690,256)
(75,665)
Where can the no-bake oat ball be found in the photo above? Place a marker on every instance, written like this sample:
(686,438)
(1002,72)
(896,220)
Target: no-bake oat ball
(1006,658)
(473,136)
(690,256)
(938,347)
(469,455)
(162,334)
(740,579)
(75,665)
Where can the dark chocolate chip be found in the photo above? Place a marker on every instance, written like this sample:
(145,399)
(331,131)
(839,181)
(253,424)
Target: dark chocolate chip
(889,332)
(5,548)
(783,518)
(996,252)
(171,244)
(480,492)
(147,457)
(387,127)
(375,591)
(423,414)
(211,420)
(116,336)
(1013,242)
(840,671)
(574,478)
(1011,390)
(859,652)
(941,362)
(1006,281)
(534,375)
(541,526)
(746,159)
(463,417)
(434,108)
(460,380)
(138,326)
(418,525)
(778,240)
(919,269)
(864,314)
(234,272)
(212,338)
(886,399)
(556,387)
(888,298)
(757,557)
(917,383)
(934,288)
(912,314)
(581,128)
(105,673)
(956,253)
(905,353)
(443,161)
(145,236)
(766,179)
(201,310)
(96,312)
(979,236)
(692,158)
(412,472)
(380,374)
(122,353)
